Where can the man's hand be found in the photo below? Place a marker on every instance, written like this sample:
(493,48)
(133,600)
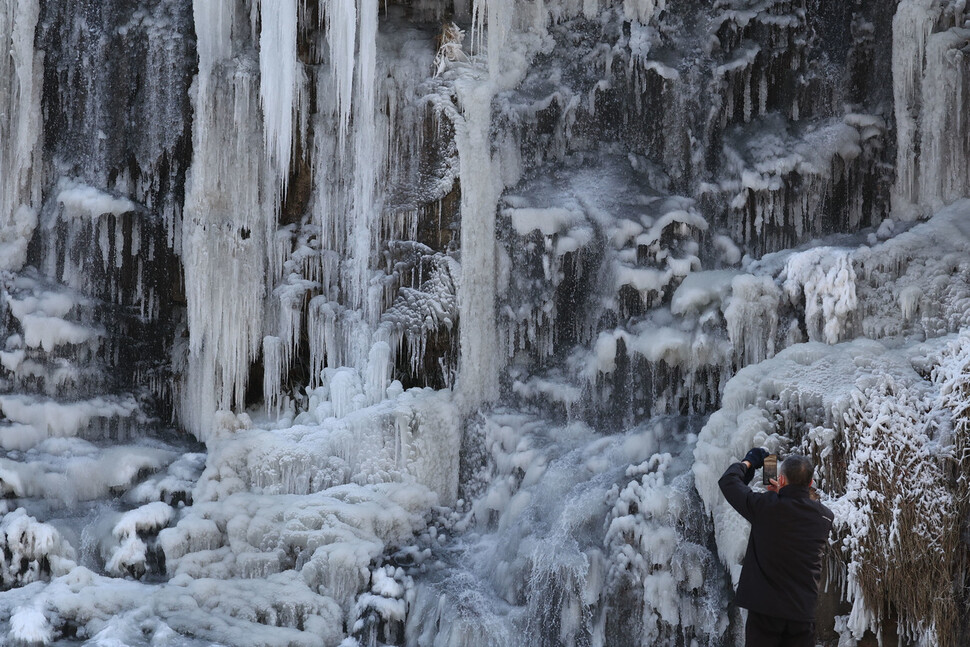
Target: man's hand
(756,457)
(773,486)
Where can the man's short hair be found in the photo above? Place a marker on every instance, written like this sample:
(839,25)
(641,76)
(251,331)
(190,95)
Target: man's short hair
(798,470)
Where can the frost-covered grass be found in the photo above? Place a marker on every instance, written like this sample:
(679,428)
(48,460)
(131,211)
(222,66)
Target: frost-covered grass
(897,530)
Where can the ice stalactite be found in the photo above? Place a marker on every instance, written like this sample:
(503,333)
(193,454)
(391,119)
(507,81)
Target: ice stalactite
(230,209)
(342,38)
(639,10)
(348,205)
(20,130)
(372,179)
(826,280)
(348,210)
(752,318)
(281,87)
(119,123)
(82,225)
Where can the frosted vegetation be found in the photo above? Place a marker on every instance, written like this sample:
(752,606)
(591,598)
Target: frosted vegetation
(434,323)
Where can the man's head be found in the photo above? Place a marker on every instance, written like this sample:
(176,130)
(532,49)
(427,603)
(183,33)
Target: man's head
(795,470)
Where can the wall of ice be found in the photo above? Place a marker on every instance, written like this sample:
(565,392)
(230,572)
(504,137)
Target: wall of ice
(435,322)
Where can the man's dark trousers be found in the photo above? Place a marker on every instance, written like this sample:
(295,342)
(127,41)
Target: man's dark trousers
(767,631)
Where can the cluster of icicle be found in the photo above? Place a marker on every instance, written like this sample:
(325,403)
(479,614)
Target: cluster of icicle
(254,288)
(236,259)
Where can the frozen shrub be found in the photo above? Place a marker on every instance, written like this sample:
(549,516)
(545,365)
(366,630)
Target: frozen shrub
(896,529)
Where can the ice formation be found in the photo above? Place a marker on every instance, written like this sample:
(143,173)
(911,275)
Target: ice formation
(20,130)
(434,323)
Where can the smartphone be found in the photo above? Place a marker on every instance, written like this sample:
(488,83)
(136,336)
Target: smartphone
(770,469)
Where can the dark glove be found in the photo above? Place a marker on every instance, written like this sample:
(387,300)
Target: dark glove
(756,456)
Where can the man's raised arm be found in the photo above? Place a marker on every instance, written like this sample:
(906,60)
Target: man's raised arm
(734,482)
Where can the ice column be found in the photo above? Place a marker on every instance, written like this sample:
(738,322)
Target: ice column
(930,92)
(912,25)
(481,186)
(480,190)
(944,166)
(365,212)
(21,71)
(229,206)
(483,176)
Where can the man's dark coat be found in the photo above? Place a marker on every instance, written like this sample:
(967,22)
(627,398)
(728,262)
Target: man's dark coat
(783,563)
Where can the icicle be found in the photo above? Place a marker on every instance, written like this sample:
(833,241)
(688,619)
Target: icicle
(280,87)
(752,318)
(317,314)
(642,10)
(272,372)
(341,35)
(379,366)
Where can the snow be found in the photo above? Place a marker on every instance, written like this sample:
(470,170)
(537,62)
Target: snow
(83,201)
(53,419)
(68,470)
(865,403)
(29,626)
(548,221)
(701,289)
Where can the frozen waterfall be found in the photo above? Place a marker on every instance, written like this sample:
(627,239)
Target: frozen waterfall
(433,323)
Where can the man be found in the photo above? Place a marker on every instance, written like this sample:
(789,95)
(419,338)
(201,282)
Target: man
(783,563)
